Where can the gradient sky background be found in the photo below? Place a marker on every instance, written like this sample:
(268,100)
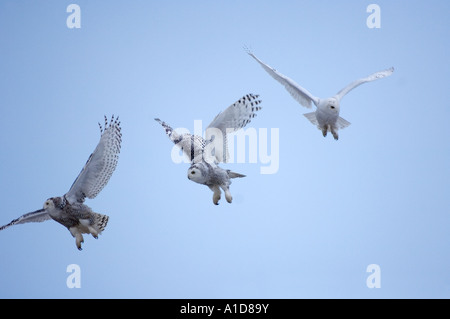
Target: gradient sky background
(379,195)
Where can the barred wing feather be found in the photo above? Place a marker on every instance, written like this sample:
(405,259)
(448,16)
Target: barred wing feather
(100,166)
(232,119)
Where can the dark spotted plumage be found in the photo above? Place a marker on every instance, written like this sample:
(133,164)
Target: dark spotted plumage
(69,210)
(192,145)
(205,154)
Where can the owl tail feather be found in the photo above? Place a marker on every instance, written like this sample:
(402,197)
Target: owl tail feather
(99,222)
(94,225)
(234,174)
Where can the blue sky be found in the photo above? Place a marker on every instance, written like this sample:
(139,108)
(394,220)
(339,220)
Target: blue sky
(379,195)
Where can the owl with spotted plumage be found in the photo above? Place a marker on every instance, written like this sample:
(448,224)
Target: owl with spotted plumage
(206,153)
(69,210)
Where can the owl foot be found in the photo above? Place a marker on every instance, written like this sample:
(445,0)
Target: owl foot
(216,198)
(79,239)
(216,195)
(78,236)
(93,232)
(335,134)
(228,196)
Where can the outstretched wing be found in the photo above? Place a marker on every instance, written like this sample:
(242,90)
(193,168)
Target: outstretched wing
(100,165)
(302,95)
(34,217)
(192,145)
(235,117)
(372,77)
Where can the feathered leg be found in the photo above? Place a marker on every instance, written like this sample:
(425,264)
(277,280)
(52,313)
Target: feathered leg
(216,195)
(78,236)
(334,132)
(228,196)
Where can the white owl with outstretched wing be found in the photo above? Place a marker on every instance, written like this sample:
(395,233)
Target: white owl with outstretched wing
(206,153)
(69,209)
(326,117)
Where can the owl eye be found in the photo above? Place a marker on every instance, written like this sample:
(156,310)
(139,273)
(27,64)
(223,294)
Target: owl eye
(193,172)
(332,106)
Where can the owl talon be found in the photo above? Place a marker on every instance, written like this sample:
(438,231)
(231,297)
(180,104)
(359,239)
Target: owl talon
(335,134)
(216,196)
(228,197)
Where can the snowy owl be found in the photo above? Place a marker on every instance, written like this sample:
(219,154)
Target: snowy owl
(69,210)
(326,117)
(206,153)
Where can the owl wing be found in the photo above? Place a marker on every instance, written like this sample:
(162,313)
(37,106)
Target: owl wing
(192,145)
(372,77)
(100,165)
(302,95)
(235,117)
(36,217)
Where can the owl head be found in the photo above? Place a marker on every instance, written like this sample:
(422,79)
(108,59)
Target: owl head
(330,105)
(49,204)
(53,202)
(197,173)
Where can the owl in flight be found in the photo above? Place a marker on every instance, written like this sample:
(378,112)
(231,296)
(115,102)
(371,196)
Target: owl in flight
(326,117)
(206,153)
(69,210)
